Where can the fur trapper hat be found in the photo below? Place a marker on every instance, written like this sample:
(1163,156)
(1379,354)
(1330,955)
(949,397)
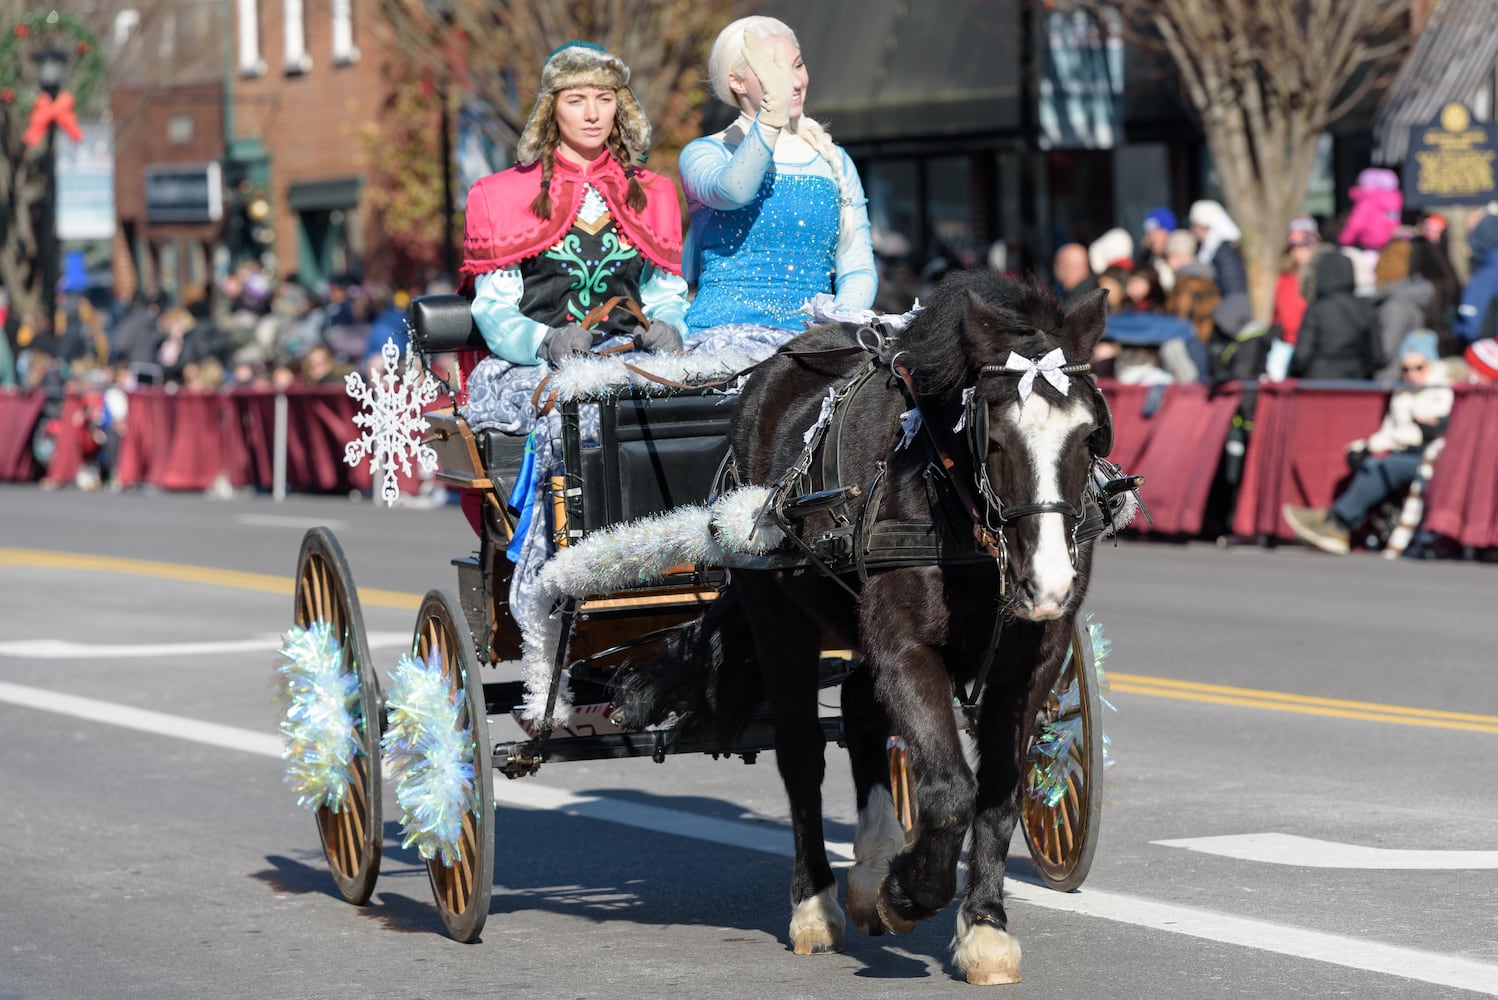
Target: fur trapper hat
(583,64)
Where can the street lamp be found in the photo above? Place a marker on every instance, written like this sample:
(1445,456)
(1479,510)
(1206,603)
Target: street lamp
(51,64)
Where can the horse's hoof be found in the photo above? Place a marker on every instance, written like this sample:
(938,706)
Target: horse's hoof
(892,921)
(879,838)
(817,924)
(987,955)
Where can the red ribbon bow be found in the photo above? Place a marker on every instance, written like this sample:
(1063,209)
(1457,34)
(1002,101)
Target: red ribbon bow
(49,111)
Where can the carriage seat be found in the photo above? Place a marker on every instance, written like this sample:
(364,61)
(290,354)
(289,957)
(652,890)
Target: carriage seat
(655,450)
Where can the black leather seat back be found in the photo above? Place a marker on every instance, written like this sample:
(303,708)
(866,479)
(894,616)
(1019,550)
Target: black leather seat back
(444,323)
(656,453)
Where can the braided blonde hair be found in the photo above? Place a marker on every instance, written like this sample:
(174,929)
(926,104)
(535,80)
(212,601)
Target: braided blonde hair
(727,59)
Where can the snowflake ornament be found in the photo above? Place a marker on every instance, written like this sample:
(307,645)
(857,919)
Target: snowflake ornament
(392,420)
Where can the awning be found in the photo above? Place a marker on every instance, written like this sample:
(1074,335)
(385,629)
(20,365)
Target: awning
(891,69)
(1452,60)
(325,195)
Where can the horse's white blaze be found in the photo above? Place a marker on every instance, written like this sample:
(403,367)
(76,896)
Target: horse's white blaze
(1045,430)
(817,924)
(985,955)
(880,836)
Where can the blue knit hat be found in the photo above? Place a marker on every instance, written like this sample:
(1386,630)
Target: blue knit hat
(1160,218)
(1421,342)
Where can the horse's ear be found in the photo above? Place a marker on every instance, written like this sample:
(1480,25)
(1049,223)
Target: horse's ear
(979,316)
(1084,323)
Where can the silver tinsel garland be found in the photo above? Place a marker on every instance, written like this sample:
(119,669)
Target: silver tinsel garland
(319,704)
(1057,739)
(429,757)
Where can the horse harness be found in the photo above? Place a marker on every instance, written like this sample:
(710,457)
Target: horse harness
(858,542)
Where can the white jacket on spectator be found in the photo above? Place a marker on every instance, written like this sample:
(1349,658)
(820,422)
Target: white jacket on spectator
(1412,413)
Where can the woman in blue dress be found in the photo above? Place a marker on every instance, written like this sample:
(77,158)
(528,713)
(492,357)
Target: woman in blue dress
(778,212)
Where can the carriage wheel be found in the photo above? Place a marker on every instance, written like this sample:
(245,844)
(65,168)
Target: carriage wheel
(462,891)
(351,837)
(1063,837)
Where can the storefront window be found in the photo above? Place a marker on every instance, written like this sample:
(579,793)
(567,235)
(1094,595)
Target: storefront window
(949,206)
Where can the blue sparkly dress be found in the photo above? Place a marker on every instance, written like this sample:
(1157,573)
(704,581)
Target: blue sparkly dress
(770,230)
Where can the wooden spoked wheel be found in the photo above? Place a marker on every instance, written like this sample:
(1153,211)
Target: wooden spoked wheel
(352,836)
(462,890)
(1063,837)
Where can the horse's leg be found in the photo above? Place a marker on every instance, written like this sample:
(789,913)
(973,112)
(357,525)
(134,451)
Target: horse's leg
(788,643)
(903,620)
(880,835)
(983,949)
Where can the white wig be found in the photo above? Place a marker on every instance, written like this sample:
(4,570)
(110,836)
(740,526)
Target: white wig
(727,59)
(727,56)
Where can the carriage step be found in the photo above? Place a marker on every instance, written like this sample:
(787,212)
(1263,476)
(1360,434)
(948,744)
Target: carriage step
(815,503)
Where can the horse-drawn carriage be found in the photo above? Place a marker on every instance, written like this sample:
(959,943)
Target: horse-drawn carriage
(630,595)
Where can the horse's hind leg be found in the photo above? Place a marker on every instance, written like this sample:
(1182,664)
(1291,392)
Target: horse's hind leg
(880,835)
(788,643)
(903,621)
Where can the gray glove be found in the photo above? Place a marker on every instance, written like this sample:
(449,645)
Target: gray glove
(660,337)
(562,342)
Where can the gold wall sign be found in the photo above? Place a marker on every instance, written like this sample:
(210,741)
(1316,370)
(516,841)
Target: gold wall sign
(1451,160)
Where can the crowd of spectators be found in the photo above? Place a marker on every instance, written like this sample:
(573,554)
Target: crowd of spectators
(246,330)
(1372,296)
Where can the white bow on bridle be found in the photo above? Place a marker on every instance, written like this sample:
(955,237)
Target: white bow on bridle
(1048,367)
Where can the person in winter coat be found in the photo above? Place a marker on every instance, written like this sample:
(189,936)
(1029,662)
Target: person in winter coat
(1404,300)
(1218,236)
(1477,316)
(1376,206)
(1339,334)
(1388,459)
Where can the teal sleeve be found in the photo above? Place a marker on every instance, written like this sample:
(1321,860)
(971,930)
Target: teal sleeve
(510,333)
(857,278)
(714,176)
(663,296)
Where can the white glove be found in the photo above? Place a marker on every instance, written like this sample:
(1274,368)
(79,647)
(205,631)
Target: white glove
(774,80)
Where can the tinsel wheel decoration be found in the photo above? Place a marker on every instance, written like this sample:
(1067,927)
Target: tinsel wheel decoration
(1056,762)
(320,720)
(429,757)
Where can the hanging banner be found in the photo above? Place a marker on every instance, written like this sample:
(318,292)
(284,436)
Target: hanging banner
(1450,160)
(85,185)
(1080,91)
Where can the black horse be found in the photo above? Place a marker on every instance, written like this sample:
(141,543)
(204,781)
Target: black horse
(1002,465)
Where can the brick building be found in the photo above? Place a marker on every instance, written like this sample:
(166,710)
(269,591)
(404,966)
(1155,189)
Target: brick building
(307,78)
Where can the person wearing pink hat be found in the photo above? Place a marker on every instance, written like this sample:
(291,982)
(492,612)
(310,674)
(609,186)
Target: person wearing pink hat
(1482,360)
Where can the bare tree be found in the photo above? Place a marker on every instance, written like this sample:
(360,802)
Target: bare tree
(1267,77)
(495,50)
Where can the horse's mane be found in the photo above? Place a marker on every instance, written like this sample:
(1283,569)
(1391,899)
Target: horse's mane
(974,318)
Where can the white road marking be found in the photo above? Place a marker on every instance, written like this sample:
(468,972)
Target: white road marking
(286,521)
(66,649)
(1307,852)
(772,838)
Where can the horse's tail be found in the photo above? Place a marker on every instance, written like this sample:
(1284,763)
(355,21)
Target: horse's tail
(707,677)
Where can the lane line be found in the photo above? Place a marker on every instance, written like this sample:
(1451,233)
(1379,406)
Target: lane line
(1308,852)
(771,838)
(1303,699)
(286,521)
(65,649)
(263,582)
(1297,709)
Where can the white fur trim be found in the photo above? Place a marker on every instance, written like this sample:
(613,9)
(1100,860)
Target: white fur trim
(629,555)
(595,376)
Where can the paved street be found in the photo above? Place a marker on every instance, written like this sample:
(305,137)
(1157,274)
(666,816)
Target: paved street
(149,848)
